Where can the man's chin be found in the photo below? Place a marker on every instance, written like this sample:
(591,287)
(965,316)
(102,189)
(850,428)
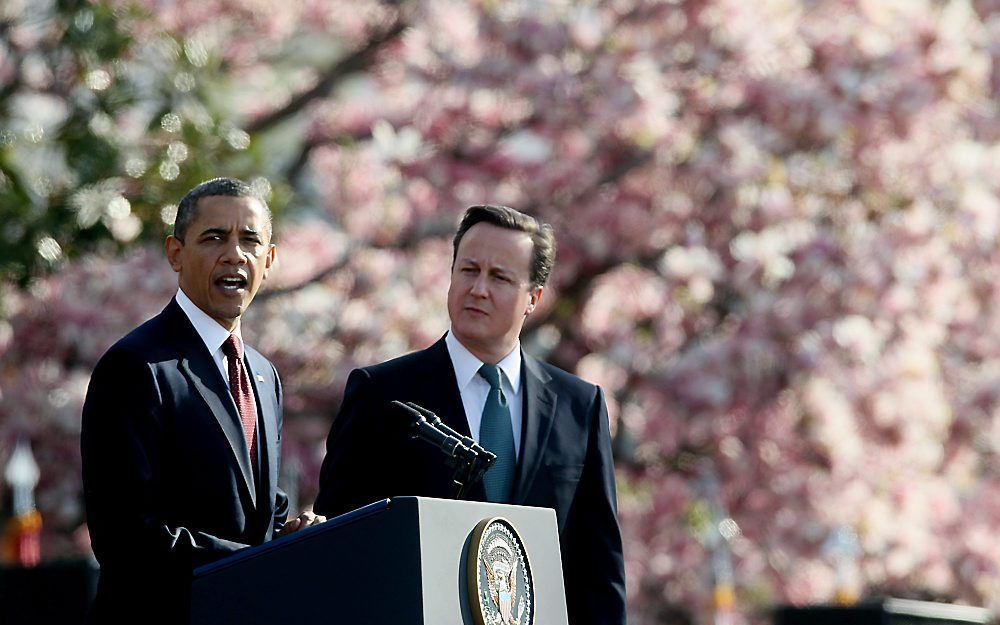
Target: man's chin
(227,316)
(474,337)
(468,332)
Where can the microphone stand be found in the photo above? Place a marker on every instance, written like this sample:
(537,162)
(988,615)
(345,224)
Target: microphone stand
(466,457)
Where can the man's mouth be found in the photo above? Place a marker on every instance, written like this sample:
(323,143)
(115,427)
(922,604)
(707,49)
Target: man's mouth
(231,283)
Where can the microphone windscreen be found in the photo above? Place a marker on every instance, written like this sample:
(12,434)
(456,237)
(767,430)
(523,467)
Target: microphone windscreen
(404,408)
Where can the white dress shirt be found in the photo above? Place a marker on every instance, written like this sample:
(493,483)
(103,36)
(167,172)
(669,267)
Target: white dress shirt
(211,333)
(214,335)
(475,389)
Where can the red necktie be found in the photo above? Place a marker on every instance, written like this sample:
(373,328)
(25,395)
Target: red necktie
(239,386)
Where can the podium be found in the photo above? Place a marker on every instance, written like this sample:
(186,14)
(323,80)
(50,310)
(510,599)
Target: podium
(400,561)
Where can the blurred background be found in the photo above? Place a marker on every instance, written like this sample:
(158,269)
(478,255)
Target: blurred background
(778,227)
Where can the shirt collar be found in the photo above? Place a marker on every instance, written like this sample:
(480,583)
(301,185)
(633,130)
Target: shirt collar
(211,333)
(467,365)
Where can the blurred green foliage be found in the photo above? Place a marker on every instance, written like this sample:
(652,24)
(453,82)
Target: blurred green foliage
(76,84)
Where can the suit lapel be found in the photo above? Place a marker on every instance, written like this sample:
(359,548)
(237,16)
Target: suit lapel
(439,389)
(206,379)
(263,391)
(536,424)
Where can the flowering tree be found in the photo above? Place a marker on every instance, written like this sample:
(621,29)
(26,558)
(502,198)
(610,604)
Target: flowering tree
(778,228)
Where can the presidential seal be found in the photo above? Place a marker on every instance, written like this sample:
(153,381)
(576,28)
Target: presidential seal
(501,591)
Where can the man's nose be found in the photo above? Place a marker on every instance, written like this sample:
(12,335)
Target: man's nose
(479,286)
(233,253)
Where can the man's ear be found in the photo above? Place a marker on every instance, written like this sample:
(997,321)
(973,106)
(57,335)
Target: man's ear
(172,246)
(534,296)
(272,255)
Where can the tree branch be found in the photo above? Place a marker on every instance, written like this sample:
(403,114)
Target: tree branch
(357,61)
(319,276)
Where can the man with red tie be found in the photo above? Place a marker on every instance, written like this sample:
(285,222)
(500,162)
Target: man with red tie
(181,433)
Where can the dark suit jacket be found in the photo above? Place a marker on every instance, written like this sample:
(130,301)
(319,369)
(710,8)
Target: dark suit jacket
(565,462)
(166,472)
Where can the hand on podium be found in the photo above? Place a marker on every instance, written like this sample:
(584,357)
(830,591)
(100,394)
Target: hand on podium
(306,519)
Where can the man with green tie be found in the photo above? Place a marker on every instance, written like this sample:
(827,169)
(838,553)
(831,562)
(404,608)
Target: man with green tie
(548,428)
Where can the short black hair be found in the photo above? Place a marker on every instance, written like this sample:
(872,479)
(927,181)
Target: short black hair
(543,240)
(229,187)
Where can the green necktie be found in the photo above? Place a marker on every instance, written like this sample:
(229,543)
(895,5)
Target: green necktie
(497,435)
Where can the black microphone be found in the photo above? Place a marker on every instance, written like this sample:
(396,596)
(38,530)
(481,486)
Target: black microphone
(428,431)
(436,421)
(488,456)
(467,457)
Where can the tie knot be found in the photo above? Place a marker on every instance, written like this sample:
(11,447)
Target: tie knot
(232,347)
(492,375)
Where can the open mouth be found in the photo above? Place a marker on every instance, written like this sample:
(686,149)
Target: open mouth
(232,283)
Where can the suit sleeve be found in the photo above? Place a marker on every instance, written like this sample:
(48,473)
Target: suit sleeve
(121,448)
(354,469)
(593,559)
